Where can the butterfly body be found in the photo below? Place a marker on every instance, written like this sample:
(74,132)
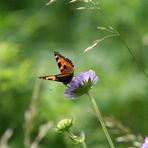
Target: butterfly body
(66,67)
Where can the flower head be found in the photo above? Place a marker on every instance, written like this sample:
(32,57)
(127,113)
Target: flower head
(81,84)
(145,145)
(64,125)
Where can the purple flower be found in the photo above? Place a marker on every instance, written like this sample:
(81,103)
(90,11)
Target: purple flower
(145,145)
(81,84)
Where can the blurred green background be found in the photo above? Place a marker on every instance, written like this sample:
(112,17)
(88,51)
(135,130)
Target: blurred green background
(29,33)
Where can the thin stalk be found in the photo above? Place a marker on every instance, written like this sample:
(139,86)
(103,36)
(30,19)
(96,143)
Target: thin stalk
(84,144)
(73,137)
(99,116)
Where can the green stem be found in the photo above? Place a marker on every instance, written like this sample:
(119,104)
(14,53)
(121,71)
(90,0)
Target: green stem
(72,136)
(84,144)
(99,116)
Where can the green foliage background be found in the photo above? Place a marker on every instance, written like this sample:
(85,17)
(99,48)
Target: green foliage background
(29,33)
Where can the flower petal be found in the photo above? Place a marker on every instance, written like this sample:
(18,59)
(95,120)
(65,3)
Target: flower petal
(145,145)
(81,84)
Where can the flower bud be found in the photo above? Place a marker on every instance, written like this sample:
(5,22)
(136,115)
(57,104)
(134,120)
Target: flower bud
(64,125)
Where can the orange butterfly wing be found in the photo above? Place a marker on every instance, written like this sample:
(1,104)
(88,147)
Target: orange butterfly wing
(66,67)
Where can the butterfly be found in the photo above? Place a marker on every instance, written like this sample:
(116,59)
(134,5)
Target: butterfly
(66,67)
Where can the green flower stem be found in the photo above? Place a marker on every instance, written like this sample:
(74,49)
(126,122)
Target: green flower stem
(99,116)
(73,137)
(84,144)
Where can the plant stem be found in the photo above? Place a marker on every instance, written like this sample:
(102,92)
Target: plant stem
(74,137)
(84,144)
(99,116)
